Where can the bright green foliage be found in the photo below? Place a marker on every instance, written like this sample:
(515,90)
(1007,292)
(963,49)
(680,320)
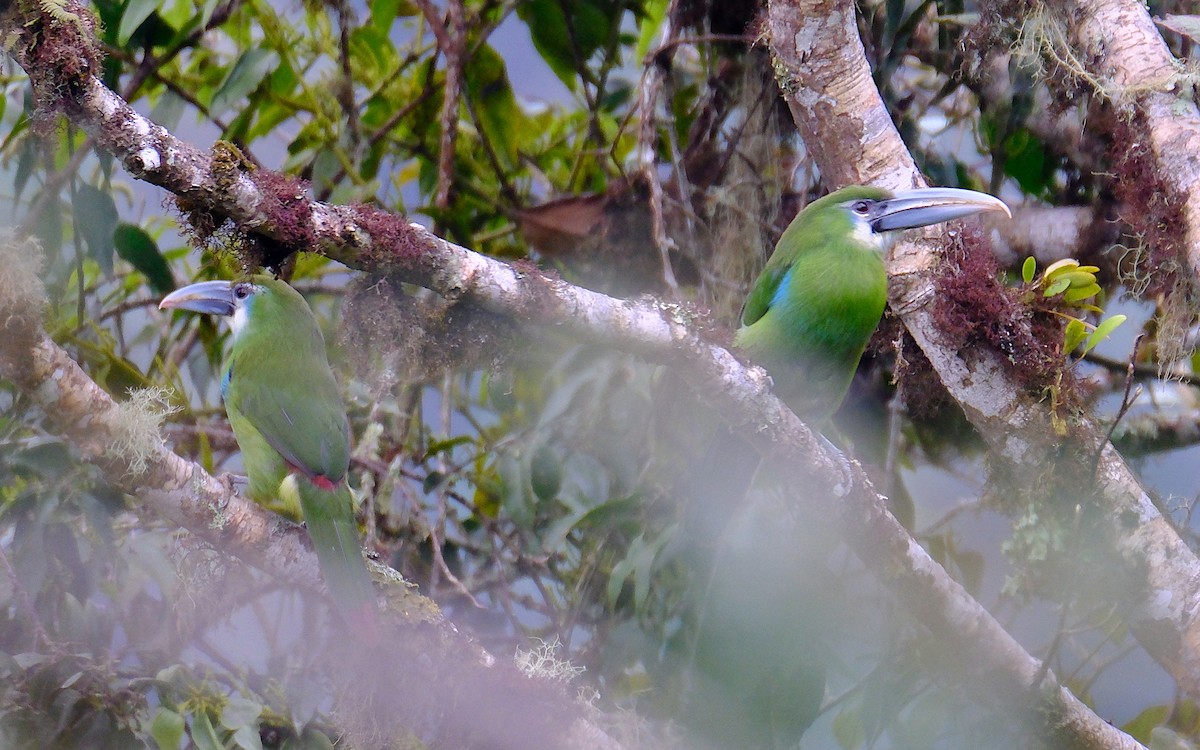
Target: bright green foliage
(1065,284)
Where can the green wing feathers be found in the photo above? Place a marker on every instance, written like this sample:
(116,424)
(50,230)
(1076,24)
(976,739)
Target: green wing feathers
(287,413)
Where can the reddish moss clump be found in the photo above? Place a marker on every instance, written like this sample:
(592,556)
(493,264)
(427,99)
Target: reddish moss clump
(288,210)
(1159,211)
(974,307)
(392,241)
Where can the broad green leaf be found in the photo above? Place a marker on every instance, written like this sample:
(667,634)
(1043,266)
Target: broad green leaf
(96,220)
(136,12)
(1081,293)
(1058,265)
(314,739)
(565,44)
(1106,327)
(1028,269)
(138,248)
(240,712)
(1058,286)
(249,71)
(650,25)
(203,733)
(620,572)
(1077,277)
(1028,163)
(167,729)
(1141,725)
(1075,333)
(545,473)
(644,569)
(499,116)
(247,738)
(181,14)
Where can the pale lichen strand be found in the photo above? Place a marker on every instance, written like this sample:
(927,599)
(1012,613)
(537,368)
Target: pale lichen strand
(22,293)
(135,424)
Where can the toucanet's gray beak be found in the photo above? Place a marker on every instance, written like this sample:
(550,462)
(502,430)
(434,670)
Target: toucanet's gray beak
(909,209)
(213,297)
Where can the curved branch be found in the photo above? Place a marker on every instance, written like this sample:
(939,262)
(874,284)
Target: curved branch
(830,60)
(1129,62)
(365,238)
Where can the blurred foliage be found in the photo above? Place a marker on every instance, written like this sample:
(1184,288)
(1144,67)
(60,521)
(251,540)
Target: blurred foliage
(540,489)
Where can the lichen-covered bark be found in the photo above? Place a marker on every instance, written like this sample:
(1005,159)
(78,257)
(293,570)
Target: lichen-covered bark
(1017,427)
(1130,63)
(368,239)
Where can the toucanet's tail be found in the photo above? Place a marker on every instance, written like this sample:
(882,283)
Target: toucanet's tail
(329,516)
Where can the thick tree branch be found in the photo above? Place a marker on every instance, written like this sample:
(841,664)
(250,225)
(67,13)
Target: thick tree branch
(1129,62)
(276,208)
(821,62)
(135,460)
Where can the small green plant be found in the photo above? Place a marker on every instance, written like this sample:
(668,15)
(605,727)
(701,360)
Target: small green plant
(1065,284)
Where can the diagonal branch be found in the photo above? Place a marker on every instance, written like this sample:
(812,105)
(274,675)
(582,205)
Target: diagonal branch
(275,208)
(816,42)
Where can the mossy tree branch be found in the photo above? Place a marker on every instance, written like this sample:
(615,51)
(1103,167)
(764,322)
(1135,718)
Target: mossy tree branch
(822,68)
(277,209)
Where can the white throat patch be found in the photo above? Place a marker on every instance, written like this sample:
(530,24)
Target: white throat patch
(240,318)
(862,234)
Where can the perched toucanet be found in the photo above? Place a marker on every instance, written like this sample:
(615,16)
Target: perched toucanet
(287,415)
(808,319)
(811,312)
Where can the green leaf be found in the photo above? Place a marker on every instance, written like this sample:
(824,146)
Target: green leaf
(1141,725)
(1028,269)
(136,12)
(240,712)
(247,738)
(1057,287)
(620,572)
(314,739)
(1028,162)
(651,24)
(1106,327)
(96,220)
(445,446)
(249,71)
(138,248)
(1075,333)
(1081,293)
(167,729)
(565,43)
(499,116)
(203,733)
(545,473)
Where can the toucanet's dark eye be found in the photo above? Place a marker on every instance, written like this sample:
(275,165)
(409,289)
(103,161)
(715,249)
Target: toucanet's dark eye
(241,291)
(862,208)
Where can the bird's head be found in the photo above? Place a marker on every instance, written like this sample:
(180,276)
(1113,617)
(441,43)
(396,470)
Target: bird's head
(234,299)
(874,213)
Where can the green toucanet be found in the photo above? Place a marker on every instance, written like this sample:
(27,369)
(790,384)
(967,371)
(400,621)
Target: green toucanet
(287,415)
(813,309)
